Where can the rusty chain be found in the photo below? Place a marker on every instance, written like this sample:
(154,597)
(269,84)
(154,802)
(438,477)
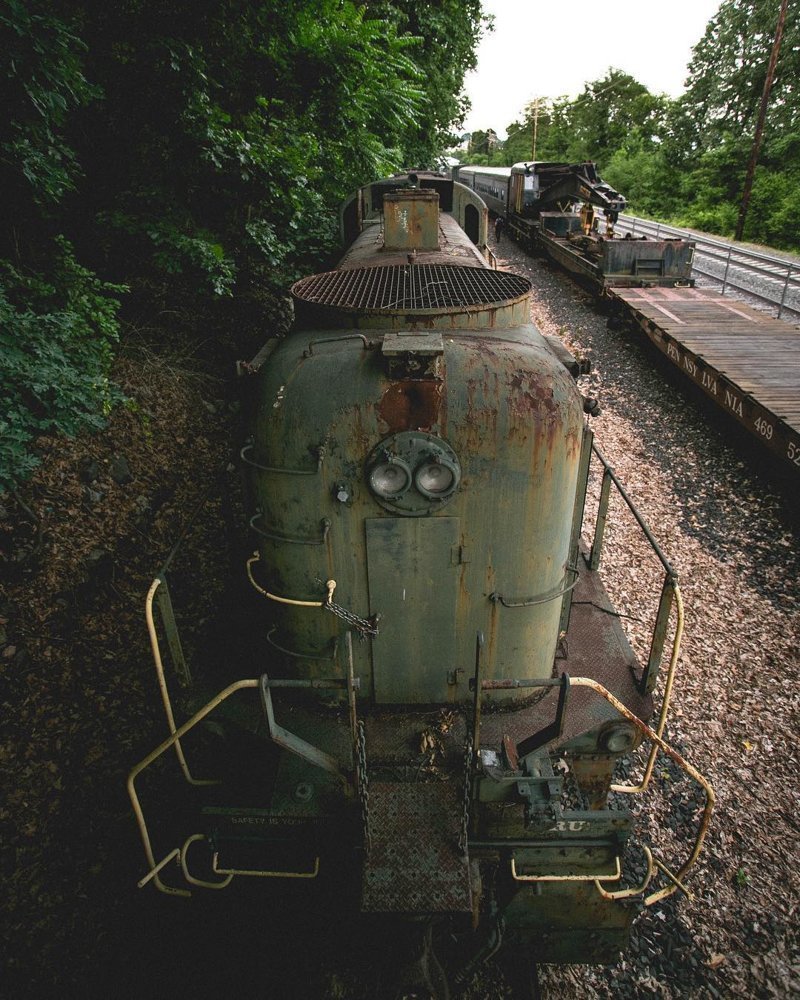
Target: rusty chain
(366,626)
(362,780)
(464,834)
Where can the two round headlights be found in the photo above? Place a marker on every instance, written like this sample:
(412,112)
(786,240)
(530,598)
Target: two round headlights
(413,471)
(391,479)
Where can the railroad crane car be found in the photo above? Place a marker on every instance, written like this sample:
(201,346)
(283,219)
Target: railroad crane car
(445,692)
(551,209)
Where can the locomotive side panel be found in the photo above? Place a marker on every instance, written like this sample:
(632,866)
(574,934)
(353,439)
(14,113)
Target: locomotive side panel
(510,420)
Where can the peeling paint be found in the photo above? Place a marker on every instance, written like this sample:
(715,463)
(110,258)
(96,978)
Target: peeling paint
(411,405)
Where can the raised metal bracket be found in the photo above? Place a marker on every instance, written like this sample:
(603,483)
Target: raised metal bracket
(295,744)
(556,727)
(309,351)
(549,733)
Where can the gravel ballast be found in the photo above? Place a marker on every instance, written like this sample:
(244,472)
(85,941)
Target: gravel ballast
(731,533)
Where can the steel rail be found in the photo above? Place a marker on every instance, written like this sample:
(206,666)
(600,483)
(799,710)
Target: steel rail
(782,274)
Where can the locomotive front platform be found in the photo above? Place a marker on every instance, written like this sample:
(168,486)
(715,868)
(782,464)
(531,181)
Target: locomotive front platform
(748,363)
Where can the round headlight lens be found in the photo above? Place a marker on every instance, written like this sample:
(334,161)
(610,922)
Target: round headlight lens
(390,479)
(433,479)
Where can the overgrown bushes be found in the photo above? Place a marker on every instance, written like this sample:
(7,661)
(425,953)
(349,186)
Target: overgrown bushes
(56,342)
(195,153)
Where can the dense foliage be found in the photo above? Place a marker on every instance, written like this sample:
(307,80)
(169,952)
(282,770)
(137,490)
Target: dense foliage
(685,160)
(187,156)
(193,151)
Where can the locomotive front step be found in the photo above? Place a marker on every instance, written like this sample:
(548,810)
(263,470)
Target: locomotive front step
(248,841)
(415,864)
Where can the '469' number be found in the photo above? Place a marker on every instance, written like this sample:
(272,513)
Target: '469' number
(764,428)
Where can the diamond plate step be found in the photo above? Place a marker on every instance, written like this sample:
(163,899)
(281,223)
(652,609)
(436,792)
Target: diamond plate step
(414,865)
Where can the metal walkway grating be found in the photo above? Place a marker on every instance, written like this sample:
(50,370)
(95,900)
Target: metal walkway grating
(406,288)
(415,865)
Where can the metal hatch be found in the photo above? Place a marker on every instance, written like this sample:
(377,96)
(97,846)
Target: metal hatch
(413,585)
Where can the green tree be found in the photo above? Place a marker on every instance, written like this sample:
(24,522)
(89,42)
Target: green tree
(58,322)
(712,127)
(447,33)
(727,71)
(196,150)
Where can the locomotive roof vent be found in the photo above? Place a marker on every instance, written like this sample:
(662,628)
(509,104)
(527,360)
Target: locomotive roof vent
(396,295)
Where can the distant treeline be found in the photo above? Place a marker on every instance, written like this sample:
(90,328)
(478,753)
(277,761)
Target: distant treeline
(685,160)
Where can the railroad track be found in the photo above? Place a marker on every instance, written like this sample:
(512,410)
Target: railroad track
(774,281)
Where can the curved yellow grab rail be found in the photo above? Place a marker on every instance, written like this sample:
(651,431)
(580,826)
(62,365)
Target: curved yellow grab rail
(677,878)
(173,740)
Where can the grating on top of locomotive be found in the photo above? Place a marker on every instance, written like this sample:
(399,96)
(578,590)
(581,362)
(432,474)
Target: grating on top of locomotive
(446,691)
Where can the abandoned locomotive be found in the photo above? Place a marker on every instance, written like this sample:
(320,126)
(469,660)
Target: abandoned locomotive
(446,694)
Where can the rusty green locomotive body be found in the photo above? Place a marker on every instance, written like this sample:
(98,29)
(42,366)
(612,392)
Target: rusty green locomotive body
(405,431)
(417,470)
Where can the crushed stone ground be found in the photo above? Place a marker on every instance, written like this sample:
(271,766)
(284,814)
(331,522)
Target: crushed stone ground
(79,700)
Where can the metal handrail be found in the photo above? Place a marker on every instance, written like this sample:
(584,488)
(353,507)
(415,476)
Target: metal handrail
(677,878)
(670,594)
(749,260)
(297,745)
(669,589)
(172,740)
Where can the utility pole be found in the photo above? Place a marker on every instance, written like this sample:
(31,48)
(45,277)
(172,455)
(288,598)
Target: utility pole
(762,114)
(535,127)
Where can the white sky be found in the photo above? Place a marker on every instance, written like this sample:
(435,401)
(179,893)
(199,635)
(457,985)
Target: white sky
(552,48)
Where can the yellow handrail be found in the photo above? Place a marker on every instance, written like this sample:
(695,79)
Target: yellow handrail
(705,819)
(665,702)
(173,740)
(162,683)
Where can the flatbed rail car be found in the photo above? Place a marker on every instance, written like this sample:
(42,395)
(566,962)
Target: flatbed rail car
(745,361)
(539,202)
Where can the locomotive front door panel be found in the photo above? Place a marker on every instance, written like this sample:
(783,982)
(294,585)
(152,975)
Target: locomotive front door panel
(413,586)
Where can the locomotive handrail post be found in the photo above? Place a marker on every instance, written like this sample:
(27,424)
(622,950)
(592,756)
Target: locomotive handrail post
(351,686)
(602,514)
(476,719)
(155,586)
(476,701)
(163,598)
(670,595)
(667,696)
(650,675)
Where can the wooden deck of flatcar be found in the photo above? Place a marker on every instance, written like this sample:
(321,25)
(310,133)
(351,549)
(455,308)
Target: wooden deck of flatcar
(744,360)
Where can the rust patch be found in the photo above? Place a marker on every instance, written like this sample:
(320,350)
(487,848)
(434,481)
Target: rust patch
(411,405)
(593,775)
